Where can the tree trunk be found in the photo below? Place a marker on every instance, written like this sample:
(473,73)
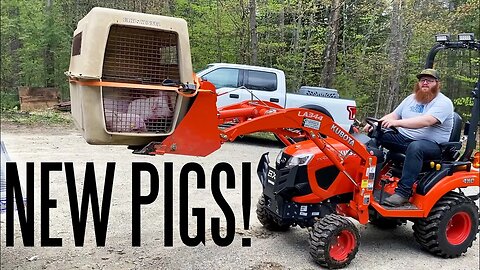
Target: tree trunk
(49,61)
(305,50)
(396,54)
(298,28)
(328,73)
(242,34)
(253,32)
(294,47)
(168,6)
(14,77)
(218,32)
(281,22)
(379,94)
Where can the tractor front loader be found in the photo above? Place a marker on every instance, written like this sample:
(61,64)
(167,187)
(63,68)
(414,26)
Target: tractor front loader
(310,187)
(131,83)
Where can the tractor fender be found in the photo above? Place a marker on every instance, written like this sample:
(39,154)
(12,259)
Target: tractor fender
(460,179)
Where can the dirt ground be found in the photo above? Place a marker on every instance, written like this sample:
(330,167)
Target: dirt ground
(395,249)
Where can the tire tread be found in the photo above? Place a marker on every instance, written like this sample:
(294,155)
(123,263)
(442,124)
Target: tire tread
(426,231)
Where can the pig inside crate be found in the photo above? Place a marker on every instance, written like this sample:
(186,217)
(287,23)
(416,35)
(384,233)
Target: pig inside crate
(138,110)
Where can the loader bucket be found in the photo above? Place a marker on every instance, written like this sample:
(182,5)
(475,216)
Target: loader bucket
(197,134)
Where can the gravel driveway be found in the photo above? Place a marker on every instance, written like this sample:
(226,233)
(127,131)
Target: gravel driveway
(395,249)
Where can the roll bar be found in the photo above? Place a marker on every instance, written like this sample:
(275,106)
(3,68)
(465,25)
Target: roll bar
(475,94)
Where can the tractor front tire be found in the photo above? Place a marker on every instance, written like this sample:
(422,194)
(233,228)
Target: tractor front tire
(450,228)
(267,220)
(334,241)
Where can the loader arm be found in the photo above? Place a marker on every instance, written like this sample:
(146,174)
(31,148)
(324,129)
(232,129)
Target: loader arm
(198,133)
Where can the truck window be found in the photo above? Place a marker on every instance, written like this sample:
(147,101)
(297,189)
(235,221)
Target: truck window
(261,80)
(223,77)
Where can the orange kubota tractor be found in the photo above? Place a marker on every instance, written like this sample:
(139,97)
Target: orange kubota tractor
(333,175)
(316,183)
(319,182)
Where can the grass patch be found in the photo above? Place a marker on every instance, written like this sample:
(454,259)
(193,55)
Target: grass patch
(8,100)
(263,135)
(47,117)
(261,138)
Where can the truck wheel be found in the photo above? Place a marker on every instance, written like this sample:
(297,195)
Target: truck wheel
(267,220)
(334,241)
(450,228)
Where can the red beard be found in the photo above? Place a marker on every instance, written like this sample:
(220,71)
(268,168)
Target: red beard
(423,96)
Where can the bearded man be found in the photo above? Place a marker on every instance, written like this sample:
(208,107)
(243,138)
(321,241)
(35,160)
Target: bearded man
(424,120)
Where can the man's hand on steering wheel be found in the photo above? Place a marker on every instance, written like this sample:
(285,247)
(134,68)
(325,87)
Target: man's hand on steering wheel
(375,127)
(389,123)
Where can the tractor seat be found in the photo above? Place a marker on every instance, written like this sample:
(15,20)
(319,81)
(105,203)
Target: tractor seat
(450,150)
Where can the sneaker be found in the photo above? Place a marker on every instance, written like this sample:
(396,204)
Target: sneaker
(395,200)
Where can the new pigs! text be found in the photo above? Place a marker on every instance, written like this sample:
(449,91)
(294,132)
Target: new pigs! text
(101,215)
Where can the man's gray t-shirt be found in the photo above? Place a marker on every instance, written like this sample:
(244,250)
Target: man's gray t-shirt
(440,107)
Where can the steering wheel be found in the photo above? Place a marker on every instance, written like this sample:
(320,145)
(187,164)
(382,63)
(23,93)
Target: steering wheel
(377,125)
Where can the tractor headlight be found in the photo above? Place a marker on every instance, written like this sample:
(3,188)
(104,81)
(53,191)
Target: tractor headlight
(465,37)
(442,37)
(299,160)
(279,157)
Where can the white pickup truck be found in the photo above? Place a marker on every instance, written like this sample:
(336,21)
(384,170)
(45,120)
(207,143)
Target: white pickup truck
(236,83)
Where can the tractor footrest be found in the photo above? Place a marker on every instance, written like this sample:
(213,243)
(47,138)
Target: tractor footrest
(407,206)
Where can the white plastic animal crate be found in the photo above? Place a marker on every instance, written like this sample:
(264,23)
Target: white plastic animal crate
(114,51)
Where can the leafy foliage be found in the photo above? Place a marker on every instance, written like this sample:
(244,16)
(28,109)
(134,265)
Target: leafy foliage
(292,36)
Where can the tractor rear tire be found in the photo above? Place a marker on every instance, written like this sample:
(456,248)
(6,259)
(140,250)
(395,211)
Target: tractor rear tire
(450,228)
(334,241)
(268,221)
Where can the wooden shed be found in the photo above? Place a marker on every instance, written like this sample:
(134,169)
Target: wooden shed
(37,98)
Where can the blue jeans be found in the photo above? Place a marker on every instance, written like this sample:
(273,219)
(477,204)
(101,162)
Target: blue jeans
(415,153)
